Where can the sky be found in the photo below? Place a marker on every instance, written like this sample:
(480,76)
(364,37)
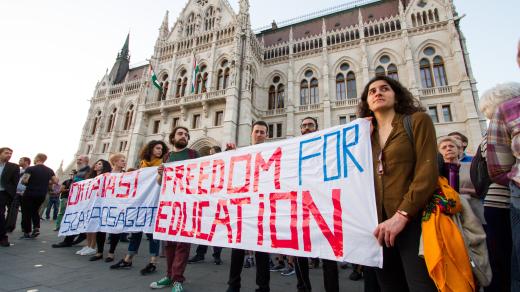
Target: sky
(53,52)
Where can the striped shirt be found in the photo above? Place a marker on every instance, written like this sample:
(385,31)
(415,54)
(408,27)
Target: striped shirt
(498,196)
(503,149)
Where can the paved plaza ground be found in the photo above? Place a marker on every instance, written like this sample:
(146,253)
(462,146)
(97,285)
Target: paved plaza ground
(32,265)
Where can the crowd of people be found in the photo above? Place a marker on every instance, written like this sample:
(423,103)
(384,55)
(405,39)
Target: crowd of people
(409,161)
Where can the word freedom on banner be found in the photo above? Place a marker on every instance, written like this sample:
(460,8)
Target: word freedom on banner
(113,202)
(311,196)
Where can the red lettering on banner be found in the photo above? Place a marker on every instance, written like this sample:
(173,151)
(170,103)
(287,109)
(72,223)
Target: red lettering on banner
(166,178)
(171,231)
(260,163)
(80,191)
(136,183)
(202,177)
(111,185)
(189,179)
(161,216)
(260,239)
(179,174)
(335,239)
(241,189)
(184,231)
(125,185)
(239,202)
(95,186)
(293,241)
(199,234)
(221,207)
(217,163)
(73,195)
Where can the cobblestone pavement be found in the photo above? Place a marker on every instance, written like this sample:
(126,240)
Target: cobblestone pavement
(32,265)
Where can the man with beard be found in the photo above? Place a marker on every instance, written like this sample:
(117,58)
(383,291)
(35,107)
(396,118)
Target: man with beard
(330,268)
(177,253)
(81,174)
(9,175)
(258,135)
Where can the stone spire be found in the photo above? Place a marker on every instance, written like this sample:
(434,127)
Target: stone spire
(243,15)
(164,30)
(122,64)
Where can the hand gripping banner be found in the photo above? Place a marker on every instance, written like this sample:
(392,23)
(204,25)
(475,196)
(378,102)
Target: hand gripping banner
(310,196)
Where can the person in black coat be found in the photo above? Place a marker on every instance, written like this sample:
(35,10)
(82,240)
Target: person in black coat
(9,176)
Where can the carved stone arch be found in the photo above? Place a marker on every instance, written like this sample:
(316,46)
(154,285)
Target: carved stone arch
(219,60)
(161,73)
(439,47)
(269,78)
(354,65)
(178,71)
(394,56)
(203,145)
(301,72)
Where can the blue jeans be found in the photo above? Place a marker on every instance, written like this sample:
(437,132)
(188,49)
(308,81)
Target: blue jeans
(54,202)
(135,242)
(515,232)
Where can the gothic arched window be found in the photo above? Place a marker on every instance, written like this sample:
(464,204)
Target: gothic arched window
(209,21)
(340,87)
(190,25)
(432,75)
(309,91)
(111,120)
(95,123)
(129,115)
(201,80)
(304,92)
(223,75)
(314,92)
(351,85)
(182,81)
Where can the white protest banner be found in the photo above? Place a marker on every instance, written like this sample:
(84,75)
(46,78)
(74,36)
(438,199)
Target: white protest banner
(113,202)
(310,196)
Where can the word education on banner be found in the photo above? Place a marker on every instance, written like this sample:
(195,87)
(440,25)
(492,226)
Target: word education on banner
(113,202)
(311,196)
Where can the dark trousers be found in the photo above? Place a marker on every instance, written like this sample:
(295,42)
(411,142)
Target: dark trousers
(370,280)
(403,269)
(135,242)
(203,249)
(5,200)
(30,207)
(498,239)
(262,270)
(74,239)
(177,254)
(101,238)
(330,275)
(53,203)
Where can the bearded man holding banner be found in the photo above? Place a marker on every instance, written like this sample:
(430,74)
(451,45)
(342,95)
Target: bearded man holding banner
(177,253)
(258,135)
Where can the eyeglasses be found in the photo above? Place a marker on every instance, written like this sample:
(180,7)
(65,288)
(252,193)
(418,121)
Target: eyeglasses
(308,126)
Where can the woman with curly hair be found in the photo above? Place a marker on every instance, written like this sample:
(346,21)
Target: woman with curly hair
(151,155)
(405,177)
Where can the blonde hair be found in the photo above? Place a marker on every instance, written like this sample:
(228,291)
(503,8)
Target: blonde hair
(493,97)
(449,139)
(40,157)
(115,157)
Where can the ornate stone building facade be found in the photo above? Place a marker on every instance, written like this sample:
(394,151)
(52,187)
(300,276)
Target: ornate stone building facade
(313,66)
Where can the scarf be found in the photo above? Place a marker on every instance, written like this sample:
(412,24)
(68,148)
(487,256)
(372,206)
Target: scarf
(154,162)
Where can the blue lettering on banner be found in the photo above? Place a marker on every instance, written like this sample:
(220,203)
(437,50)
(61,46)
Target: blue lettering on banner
(129,220)
(301,158)
(111,217)
(338,163)
(346,150)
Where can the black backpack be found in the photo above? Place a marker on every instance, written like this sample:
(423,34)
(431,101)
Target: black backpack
(479,174)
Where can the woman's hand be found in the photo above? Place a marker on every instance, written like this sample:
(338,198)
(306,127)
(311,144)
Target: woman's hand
(160,170)
(387,231)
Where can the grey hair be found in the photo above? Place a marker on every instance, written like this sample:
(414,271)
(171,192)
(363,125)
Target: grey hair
(492,98)
(449,139)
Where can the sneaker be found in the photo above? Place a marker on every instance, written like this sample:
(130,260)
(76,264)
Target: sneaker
(35,233)
(163,283)
(79,252)
(89,251)
(121,265)
(196,259)
(177,287)
(277,268)
(355,276)
(289,271)
(150,268)
(26,236)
